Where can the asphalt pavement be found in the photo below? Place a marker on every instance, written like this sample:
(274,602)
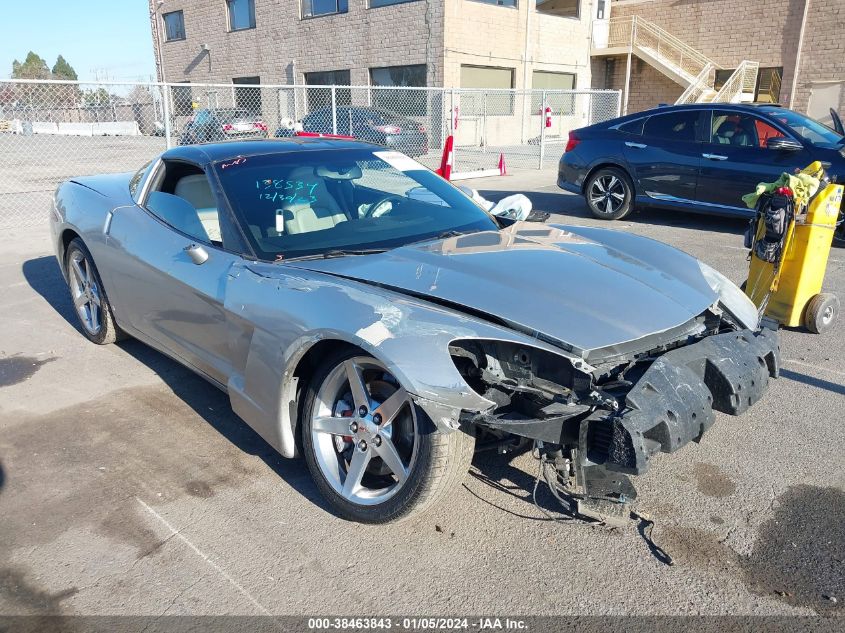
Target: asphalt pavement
(128,486)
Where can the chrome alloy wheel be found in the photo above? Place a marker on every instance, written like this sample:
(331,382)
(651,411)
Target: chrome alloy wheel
(85,292)
(607,194)
(364,431)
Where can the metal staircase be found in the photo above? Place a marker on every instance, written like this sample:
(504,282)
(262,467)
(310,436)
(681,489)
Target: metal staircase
(678,61)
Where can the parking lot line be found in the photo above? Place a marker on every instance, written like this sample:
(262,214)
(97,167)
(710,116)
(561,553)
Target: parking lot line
(811,366)
(203,555)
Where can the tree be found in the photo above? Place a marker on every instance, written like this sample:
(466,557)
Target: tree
(33,67)
(63,70)
(98,97)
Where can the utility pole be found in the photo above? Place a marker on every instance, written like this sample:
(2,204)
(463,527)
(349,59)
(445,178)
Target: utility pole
(155,5)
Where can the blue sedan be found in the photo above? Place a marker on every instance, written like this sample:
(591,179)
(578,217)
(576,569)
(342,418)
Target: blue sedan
(700,157)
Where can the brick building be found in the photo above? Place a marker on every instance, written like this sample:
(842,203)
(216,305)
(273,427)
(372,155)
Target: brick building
(764,31)
(472,43)
(509,44)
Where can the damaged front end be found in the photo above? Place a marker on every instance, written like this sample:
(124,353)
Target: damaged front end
(600,421)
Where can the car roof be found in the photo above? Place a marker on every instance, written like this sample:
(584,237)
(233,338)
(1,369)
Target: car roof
(207,153)
(749,107)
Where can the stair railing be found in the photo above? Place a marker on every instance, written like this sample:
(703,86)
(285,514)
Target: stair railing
(636,31)
(702,84)
(742,81)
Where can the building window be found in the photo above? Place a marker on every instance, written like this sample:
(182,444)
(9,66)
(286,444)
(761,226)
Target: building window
(476,103)
(182,100)
(247,98)
(411,103)
(559,103)
(174,26)
(501,3)
(314,8)
(609,73)
(600,9)
(563,8)
(384,3)
(241,14)
(322,97)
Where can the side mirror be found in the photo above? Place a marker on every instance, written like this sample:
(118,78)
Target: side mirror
(783,144)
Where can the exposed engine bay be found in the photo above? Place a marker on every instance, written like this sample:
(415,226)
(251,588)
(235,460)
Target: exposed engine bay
(595,424)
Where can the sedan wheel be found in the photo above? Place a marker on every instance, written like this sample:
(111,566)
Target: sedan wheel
(373,453)
(609,194)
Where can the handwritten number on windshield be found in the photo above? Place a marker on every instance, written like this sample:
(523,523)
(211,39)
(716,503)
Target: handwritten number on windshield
(291,191)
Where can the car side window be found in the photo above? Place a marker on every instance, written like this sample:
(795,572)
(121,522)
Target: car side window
(741,130)
(632,127)
(675,126)
(185,200)
(137,179)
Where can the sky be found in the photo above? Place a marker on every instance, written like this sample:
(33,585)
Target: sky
(99,38)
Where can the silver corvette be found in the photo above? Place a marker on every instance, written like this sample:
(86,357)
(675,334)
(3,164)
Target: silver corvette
(365,313)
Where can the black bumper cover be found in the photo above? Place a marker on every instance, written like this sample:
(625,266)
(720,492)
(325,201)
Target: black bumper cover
(674,401)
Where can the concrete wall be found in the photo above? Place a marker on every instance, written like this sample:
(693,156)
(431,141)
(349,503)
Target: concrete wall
(483,34)
(489,35)
(648,89)
(283,47)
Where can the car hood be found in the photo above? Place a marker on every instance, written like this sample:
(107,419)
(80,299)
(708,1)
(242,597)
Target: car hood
(580,288)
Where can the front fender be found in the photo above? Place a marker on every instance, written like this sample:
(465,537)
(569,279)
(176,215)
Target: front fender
(278,315)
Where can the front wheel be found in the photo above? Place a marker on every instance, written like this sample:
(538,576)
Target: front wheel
(609,194)
(374,455)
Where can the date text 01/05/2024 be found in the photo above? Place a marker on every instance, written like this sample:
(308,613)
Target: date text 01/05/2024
(416,624)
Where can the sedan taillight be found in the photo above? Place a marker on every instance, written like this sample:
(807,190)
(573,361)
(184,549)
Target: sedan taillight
(260,125)
(227,127)
(573,141)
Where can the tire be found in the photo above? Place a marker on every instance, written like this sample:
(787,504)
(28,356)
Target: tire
(821,313)
(336,438)
(602,192)
(88,295)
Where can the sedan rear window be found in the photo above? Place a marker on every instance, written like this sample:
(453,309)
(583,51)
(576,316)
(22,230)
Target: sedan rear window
(632,127)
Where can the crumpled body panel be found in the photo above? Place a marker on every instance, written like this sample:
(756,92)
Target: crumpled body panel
(673,403)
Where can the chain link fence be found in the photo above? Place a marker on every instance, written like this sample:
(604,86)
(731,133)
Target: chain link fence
(52,131)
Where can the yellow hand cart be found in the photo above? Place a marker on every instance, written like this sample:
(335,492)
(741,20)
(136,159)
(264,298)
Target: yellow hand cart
(789,289)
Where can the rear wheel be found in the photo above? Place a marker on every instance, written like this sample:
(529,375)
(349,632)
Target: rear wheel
(374,455)
(822,311)
(89,298)
(609,193)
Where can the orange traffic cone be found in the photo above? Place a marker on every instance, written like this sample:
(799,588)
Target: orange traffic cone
(503,169)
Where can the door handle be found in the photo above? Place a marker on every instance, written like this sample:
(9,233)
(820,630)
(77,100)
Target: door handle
(637,145)
(715,157)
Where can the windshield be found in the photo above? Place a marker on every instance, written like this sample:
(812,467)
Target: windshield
(309,202)
(809,129)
